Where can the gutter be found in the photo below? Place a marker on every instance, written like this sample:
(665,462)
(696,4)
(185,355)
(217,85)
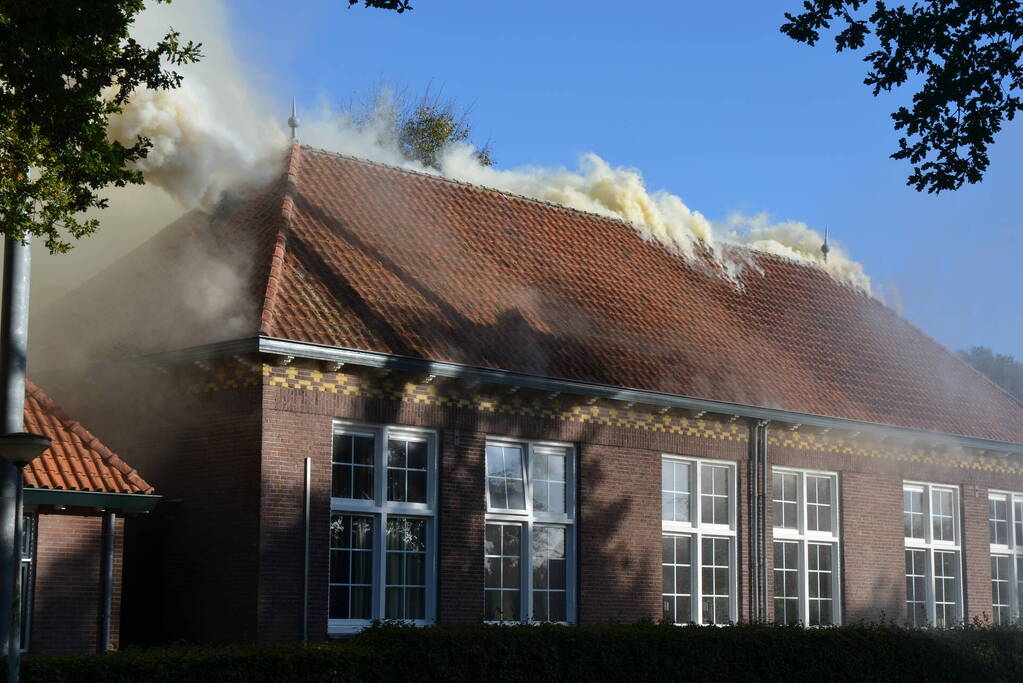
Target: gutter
(376,359)
(120,502)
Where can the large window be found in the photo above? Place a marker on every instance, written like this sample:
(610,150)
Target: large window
(1006,520)
(382,531)
(933,554)
(806,546)
(698,520)
(529,557)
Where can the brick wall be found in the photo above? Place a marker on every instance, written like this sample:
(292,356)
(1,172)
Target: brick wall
(976,552)
(67,590)
(619,534)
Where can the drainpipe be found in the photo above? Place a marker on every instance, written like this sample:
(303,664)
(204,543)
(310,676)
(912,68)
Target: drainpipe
(13,360)
(106,582)
(754,522)
(305,553)
(758,519)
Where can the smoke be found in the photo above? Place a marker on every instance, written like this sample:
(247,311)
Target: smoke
(218,133)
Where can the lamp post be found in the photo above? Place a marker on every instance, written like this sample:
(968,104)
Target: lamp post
(18,449)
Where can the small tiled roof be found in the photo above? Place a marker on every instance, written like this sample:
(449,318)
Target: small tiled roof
(377,258)
(77,460)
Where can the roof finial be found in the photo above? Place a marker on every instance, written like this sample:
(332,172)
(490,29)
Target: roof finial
(824,247)
(293,122)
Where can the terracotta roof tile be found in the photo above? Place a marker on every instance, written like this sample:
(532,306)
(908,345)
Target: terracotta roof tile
(348,253)
(386,260)
(77,460)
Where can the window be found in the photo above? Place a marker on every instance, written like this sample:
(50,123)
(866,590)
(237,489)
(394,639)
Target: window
(933,552)
(382,531)
(806,544)
(28,544)
(1006,521)
(528,558)
(698,521)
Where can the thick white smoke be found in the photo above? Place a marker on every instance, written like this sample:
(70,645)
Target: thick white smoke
(218,133)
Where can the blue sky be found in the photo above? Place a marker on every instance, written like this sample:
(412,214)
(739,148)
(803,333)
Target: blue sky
(708,100)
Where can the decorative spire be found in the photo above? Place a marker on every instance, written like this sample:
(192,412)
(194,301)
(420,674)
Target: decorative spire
(293,122)
(824,247)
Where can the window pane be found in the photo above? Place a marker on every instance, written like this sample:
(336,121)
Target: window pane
(946,598)
(676,591)
(675,491)
(785,500)
(502,570)
(913,513)
(362,482)
(406,568)
(942,515)
(998,517)
(916,593)
(1018,523)
(406,471)
(818,508)
(716,580)
(1000,605)
(505,477)
(714,487)
(548,570)
(786,582)
(819,577)
(351,567)
(549,482)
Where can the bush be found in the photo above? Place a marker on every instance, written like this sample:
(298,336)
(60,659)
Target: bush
(576,653)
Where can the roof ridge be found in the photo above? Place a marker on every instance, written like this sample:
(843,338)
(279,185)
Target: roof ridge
(582,212)
(87,437)
(273,279)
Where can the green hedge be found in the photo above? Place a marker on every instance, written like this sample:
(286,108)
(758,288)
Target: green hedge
(579,653)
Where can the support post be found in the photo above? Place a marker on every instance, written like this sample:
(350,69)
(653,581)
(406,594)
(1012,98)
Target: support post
(107,582)
(13,363)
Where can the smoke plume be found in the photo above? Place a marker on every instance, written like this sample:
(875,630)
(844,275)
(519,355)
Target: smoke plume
(218,133)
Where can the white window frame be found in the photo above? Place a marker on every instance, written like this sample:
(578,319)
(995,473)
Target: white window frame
(1012,551)
(931,546)
(806,537)
(529,518)
(380,509)
(698,531)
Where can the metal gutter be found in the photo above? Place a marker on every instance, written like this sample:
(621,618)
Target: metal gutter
(122,502)
(388,361)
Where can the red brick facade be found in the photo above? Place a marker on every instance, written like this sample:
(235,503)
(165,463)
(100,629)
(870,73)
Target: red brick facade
(618,522)
(233,565)
(67,590)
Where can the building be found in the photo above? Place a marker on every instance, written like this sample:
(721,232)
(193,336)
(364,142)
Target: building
(436,402)
(77,494)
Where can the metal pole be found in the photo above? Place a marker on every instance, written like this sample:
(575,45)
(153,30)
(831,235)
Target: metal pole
(305,553)
(13,362)
(107,582)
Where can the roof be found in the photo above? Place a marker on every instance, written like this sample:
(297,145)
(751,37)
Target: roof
(77,460)
(353,254)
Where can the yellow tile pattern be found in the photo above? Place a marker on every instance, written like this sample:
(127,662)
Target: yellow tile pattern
(568,409)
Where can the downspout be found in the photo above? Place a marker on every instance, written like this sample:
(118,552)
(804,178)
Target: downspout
(106,583)
(305,553)
(754,545)
(758,519)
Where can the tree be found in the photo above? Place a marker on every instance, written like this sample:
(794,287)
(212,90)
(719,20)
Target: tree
(421,128)
(966,56)
(1003,370)
(65,68)
(397,5)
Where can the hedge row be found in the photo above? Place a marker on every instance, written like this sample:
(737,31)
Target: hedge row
(579,653)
